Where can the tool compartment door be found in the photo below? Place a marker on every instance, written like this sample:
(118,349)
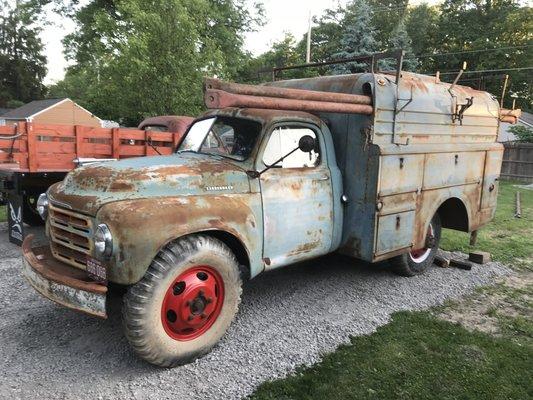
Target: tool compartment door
(400,181)
(395,231)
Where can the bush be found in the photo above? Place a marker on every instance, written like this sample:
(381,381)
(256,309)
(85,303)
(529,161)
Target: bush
(523,133)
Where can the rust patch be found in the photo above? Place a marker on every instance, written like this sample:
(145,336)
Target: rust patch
(121,186)
(304,248)
(296,186)
(352,247)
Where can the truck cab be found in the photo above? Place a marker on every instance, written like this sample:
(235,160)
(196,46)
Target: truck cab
(251,189)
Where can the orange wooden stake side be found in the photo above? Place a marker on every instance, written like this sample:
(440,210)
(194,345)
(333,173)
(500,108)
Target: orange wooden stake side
(28,147)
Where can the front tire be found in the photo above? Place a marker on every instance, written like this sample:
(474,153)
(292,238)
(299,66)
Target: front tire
(417,261)
(184,303)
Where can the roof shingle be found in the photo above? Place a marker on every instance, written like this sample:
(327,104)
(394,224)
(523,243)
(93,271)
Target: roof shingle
(32,108)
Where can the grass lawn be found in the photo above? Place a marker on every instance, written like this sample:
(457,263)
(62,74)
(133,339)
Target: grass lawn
(428,355)
(508,239)
(416,356)
(3,213)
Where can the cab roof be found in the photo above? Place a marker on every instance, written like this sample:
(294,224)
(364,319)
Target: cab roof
(266,116)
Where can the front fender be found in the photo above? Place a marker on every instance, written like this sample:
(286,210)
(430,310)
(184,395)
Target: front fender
(140,228)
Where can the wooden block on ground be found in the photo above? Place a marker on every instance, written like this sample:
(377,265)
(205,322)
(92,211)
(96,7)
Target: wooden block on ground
(479,257)
(462,264)
(442,262)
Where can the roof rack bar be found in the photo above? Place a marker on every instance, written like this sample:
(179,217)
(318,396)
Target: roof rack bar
(397,54)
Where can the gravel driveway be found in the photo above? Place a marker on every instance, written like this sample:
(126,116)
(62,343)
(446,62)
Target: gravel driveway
(287,318)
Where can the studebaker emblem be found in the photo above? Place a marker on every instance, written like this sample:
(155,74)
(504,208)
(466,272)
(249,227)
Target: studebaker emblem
(219,188)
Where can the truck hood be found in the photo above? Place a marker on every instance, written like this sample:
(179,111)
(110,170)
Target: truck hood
(88,188)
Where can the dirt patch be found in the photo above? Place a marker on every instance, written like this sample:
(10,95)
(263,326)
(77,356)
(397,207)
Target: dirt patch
(505,309)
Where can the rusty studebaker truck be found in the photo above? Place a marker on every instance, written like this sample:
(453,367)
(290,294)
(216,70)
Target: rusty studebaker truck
(371,165)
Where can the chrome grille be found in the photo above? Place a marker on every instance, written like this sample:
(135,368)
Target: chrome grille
(70,235)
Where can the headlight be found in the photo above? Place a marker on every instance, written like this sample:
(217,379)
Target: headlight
(42,205)
(103,241)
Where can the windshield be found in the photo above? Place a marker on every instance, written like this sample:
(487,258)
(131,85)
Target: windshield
(224,136)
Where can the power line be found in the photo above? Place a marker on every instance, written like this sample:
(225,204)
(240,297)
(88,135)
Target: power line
(378,10)
(474,51)
(488,70)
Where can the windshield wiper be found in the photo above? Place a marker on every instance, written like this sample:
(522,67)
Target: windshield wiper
(186,151)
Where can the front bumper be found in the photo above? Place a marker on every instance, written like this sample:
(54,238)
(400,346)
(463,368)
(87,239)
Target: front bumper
(61,283)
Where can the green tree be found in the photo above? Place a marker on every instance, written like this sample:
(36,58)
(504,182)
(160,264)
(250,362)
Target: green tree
(385,17)
(22,63)
(358,37)
(470,25)
(400,40)
(326,35)
(283,53)
(138,58)
(421,24)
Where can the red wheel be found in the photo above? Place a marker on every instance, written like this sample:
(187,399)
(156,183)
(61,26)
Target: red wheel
(192,303)
(421,255)
(417,261)
(185,302)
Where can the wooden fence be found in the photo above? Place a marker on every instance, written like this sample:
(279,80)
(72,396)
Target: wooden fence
(518,162)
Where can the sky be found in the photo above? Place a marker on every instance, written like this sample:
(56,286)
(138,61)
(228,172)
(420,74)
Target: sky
(281,16)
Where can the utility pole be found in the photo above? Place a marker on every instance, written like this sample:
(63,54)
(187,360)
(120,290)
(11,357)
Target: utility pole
(308,53)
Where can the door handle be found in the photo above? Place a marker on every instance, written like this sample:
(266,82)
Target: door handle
(322,178)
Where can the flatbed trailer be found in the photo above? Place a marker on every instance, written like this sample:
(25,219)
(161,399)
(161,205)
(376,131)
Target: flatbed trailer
(35,156)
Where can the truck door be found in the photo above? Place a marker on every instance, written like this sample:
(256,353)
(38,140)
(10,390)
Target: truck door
(297,197)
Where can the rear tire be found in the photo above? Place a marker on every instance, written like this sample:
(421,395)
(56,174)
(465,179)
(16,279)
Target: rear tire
(416,262)
(184,303)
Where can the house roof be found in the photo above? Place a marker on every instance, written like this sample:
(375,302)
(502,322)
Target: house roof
(526,118)
(32,108)
(4,110)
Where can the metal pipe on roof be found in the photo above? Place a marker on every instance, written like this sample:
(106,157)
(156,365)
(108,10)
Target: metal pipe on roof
(220,99)
(510,116)
(286,93)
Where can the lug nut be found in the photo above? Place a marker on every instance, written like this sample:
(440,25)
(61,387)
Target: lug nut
(190,318)
(178,288)
(209,300)
(187,303)
(202,316)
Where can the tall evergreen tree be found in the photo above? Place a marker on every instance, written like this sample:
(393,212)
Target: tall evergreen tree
(22,63)
(400,40)
(358,37)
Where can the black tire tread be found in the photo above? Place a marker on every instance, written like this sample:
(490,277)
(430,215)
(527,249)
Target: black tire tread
(400,264)
(140,293)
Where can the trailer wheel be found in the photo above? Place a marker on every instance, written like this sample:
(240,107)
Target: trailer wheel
(30,216)
(184,303)
(418,261)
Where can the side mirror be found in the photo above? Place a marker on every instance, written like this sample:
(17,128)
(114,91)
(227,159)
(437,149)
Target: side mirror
(306,144)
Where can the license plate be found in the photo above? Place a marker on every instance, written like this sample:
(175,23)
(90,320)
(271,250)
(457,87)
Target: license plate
(96,270)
